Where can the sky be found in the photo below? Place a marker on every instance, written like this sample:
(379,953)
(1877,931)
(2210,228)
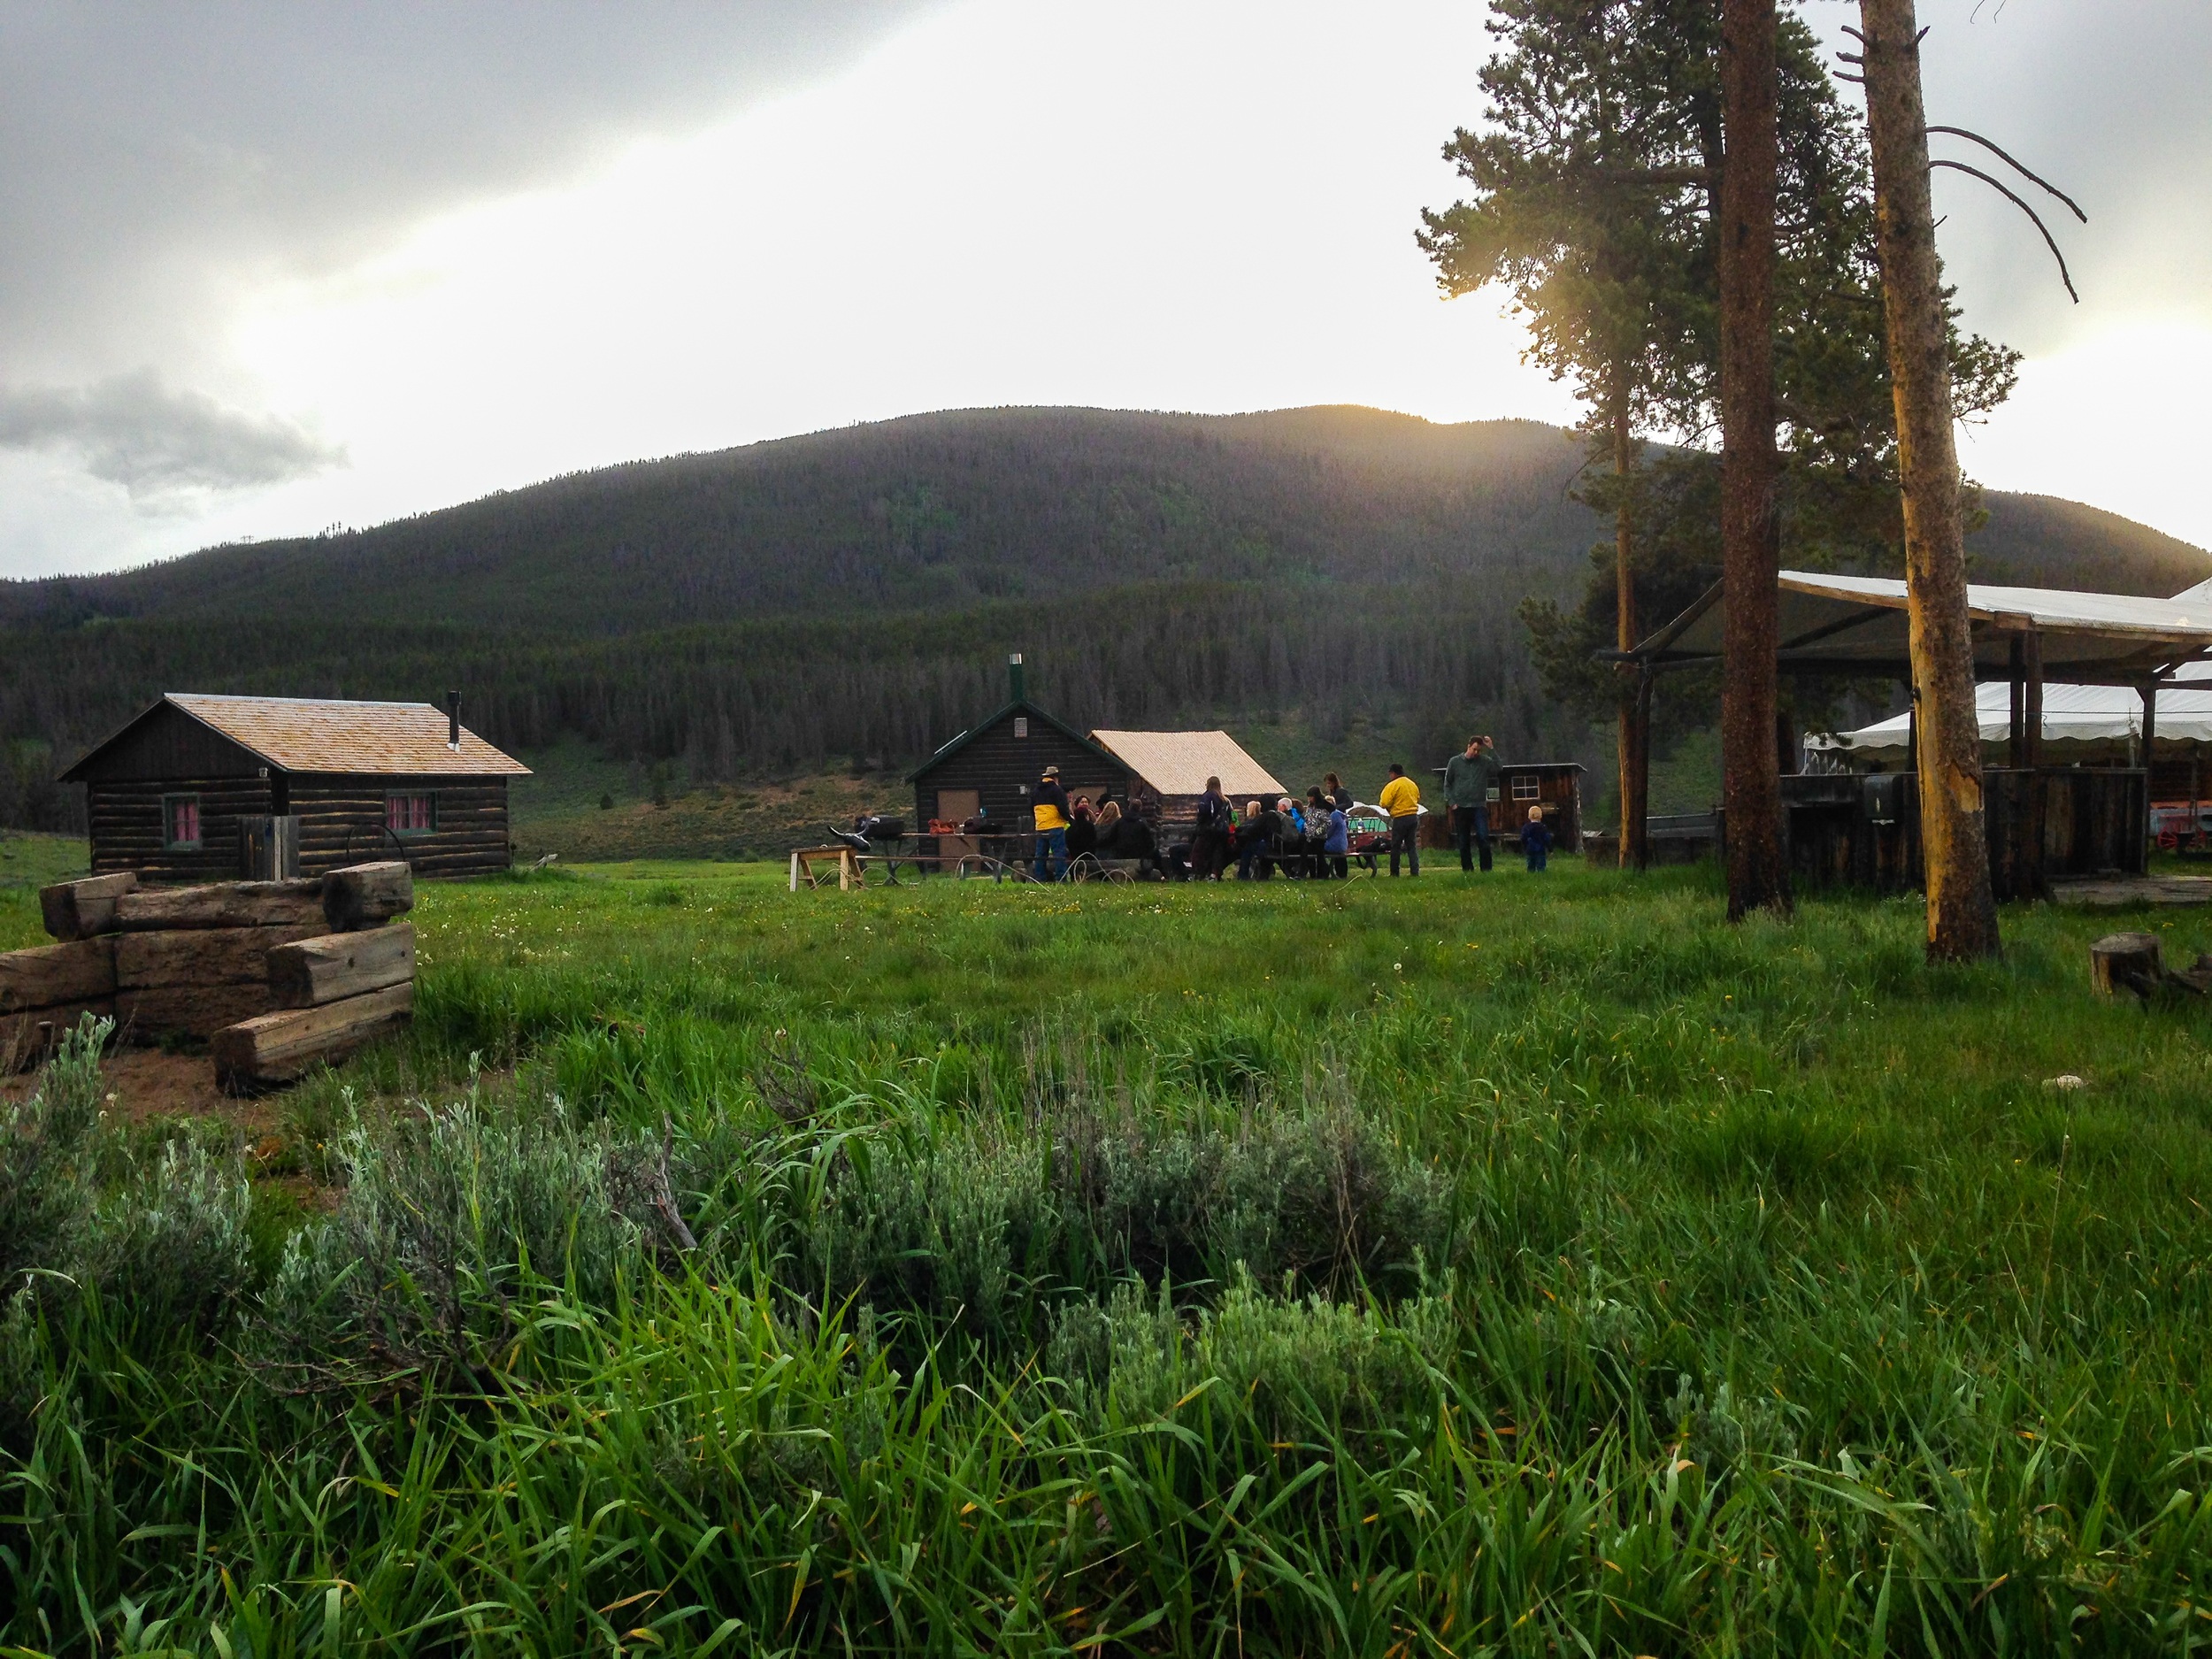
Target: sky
(275,268)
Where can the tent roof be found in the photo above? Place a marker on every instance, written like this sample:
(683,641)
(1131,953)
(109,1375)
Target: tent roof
(1180,763)
(2071,714)
(1857,624)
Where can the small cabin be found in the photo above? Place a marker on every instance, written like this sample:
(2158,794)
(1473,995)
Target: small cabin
(987,773)
(213,789)
(1554,784)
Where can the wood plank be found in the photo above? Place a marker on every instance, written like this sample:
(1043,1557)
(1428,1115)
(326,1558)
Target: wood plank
(190,1010)
(334,966)
(47,974)
(78,909)
(223,905)
(202,956)
(367,896)
(276,1047)
(27,1037)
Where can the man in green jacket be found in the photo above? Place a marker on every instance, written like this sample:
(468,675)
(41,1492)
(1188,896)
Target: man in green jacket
(1471,783)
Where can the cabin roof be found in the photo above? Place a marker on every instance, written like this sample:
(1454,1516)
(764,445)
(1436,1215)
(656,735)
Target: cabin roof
(315,734)
(1019,705)
(1180,763)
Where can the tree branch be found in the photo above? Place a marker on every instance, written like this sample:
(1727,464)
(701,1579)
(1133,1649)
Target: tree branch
(2064,275)
(1960,132)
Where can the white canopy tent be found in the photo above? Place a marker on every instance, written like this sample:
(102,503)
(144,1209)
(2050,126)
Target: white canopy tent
(2095,722)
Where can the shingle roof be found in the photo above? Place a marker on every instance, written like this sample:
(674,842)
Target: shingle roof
(1180,763)
(311,734)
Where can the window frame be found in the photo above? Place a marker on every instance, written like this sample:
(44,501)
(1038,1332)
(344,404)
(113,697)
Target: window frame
(1535,786)
(170,802)
(392,797)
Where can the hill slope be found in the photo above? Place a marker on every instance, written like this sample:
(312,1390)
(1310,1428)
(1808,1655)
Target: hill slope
(1336,576)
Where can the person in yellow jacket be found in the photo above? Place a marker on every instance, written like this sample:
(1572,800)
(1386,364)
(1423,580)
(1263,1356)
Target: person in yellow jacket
(1050,801)
(1401,799)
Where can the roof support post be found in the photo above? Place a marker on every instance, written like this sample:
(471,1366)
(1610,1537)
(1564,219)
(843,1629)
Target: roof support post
(2017,750)
(2150,724)
(2031,883)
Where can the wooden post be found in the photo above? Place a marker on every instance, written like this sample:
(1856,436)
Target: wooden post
(845,873)
(795,873)
(2150,733)
(1635,700)
(2195,834)
(1953,837)
(2016,750)
(2030,806)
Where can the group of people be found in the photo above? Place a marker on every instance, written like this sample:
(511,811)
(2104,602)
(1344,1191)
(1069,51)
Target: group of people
(1311,839)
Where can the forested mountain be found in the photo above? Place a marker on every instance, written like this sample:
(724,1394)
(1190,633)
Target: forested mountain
(852,594)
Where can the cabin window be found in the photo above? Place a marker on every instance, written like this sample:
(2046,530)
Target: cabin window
(1021,725)
(181,822)
(412,814)
(1527,788)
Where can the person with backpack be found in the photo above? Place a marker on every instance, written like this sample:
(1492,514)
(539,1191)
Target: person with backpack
(1471,779)
(1209,842)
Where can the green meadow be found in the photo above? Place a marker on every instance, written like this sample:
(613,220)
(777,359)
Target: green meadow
(1506,1265)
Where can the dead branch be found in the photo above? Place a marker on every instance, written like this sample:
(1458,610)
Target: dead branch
(1960,132)
(2050,241)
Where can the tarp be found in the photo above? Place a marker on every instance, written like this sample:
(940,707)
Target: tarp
(1857,624)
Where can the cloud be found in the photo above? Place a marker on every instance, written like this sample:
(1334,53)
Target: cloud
(159,444)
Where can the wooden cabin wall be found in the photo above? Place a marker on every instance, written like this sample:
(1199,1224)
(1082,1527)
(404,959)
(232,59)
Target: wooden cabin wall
(342,822)
(997,765)
(127,832)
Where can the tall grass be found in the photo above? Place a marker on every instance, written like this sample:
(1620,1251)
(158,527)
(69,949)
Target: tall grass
(1520,1268)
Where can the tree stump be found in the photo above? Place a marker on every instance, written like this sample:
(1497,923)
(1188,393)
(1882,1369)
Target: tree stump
(2126,962)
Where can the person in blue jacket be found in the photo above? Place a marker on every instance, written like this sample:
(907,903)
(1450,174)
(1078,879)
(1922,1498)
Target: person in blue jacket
(1338,841)
(1535,839)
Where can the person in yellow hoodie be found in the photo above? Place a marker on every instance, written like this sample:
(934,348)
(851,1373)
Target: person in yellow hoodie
(1401,799)
(1050,802)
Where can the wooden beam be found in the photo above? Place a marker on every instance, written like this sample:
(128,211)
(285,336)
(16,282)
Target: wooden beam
(2015,753)
(276,1047)
(78,909)
(187,1010)
(29,1036)
(313,971)
(367,896)
(222,905)
(202,956)
(82,970)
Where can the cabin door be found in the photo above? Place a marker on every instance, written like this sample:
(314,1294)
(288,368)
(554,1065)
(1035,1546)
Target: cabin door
(957,806)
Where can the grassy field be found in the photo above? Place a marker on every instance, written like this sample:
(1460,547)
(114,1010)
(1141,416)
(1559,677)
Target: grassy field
(1511,1265)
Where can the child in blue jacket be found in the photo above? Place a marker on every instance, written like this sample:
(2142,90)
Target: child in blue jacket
(1535,839)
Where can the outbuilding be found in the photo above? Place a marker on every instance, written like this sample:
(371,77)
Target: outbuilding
(210,789)
(1174,766)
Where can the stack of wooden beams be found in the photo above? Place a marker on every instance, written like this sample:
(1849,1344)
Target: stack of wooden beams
(275,975)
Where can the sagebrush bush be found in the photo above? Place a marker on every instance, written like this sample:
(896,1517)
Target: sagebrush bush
(171,1245)
(448,1213)
(46,1151)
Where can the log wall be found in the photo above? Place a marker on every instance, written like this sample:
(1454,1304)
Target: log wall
(342,822)
(127,833)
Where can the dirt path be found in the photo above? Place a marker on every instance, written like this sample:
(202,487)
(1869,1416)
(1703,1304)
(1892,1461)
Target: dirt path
(148,1083)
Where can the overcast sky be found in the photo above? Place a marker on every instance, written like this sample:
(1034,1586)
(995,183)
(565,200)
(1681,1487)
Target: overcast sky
(274,267)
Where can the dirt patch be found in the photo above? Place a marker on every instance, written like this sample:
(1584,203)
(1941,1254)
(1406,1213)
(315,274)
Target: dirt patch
(148,1083)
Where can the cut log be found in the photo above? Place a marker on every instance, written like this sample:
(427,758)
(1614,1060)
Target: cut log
(202,956)
(314,972)
(49,974)
(28,1037)
(79,909)
(367,896)
(2126,962)
(277,1048)
(222,905)
(187,1010)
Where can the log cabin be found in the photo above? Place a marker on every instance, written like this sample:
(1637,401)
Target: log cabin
(987,772)
(213,789)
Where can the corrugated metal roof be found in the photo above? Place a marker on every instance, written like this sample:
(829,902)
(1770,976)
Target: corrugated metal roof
(1180,763)
(310,734)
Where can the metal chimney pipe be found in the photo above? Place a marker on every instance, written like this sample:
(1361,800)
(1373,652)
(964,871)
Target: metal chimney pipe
(1016,686)
(453,721)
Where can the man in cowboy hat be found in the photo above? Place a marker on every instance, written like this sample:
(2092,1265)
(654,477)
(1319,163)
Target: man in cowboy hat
(1050,802)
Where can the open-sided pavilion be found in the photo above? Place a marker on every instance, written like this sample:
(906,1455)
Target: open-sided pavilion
(2042,819)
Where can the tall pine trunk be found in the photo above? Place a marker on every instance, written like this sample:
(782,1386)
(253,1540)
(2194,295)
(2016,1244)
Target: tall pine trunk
(1635,710)
(1955,844)
(1751,787)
